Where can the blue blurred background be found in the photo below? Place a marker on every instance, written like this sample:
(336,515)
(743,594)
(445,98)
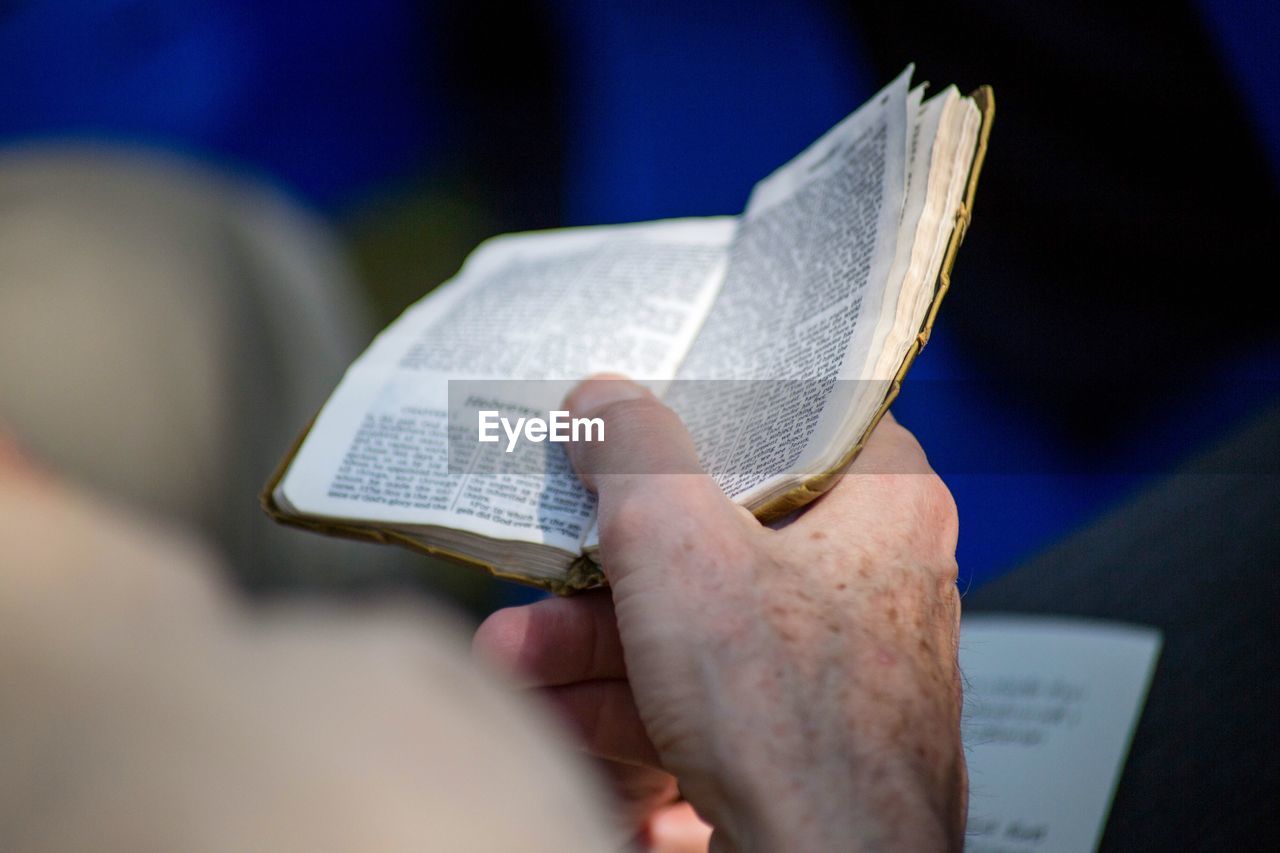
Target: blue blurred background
(1097,332)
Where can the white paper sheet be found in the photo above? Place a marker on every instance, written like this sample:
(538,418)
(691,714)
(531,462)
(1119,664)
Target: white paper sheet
(1050,707)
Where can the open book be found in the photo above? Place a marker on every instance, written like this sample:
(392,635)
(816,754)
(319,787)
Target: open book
(780,336)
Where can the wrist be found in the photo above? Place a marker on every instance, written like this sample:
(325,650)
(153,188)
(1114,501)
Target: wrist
(876,803)
(892,777)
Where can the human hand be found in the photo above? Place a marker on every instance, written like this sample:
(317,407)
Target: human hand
(147,706)
(799,684)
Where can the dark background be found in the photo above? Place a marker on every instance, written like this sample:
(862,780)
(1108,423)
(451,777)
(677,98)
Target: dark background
(1110,311)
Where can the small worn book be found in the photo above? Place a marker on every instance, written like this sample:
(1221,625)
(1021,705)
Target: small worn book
(780,337)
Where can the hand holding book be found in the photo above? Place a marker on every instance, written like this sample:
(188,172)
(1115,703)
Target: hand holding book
(799,683)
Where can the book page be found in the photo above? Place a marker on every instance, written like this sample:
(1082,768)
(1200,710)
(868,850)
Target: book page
(957,122)
(914,225)
(801,298)
(1049,709)
(544,306)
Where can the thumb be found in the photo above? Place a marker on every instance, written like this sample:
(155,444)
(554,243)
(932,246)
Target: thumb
(655,501)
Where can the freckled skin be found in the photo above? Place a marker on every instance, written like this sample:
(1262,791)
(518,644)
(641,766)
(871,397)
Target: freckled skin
(866,636)
(800,683)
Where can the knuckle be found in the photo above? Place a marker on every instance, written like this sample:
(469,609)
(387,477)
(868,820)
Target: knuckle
(626,518)
(936,500)
(922,511)
(947,571)
(937,511)
(903,443)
